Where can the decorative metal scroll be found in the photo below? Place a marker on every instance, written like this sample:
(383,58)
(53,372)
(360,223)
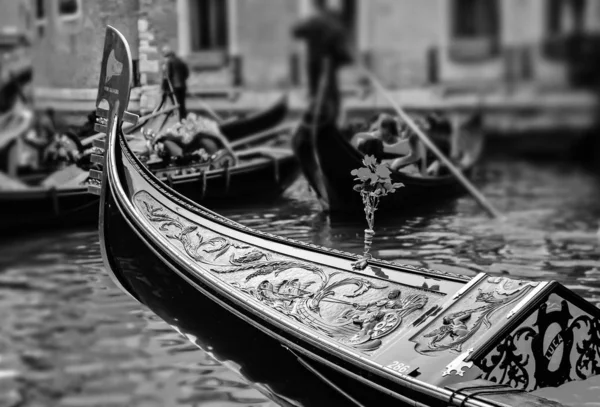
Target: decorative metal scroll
(558,343)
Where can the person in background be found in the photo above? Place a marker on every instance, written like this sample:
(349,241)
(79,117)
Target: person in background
(387,138)
(327,50)
(382,133)
(176,72)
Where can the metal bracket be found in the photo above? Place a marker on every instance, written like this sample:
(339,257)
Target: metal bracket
(97,159)
(99,144)
(458,364)
(94,189)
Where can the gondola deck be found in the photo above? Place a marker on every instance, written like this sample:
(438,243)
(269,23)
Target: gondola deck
(413,334)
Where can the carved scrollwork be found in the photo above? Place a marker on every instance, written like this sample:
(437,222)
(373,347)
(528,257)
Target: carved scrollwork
(355,310)
(225,221)
(459,325)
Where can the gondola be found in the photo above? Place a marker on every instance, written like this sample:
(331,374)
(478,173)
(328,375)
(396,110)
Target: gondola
(253,173)
(327,158)
(258,122)
(416,336)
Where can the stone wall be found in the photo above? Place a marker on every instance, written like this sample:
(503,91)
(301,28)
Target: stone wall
(157,27)
(68,53)
(266,45)
(16,17)
(400,35)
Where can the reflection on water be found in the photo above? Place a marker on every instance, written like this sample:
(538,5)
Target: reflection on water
(70,338)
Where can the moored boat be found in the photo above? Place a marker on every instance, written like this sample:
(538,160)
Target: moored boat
(257,122)
(416,336)
(256,171)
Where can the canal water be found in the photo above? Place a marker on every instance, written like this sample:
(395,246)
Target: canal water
(69,337)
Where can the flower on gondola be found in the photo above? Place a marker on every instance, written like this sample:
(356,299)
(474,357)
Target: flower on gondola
(374,182)
(375,178)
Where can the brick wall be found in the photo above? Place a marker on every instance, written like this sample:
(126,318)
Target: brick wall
(68,54)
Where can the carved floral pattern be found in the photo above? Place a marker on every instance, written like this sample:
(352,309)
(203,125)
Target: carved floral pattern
(355,310)
(228,222)
(457,327)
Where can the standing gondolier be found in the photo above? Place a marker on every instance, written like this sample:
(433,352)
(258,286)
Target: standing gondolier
(327,51)
(176,73)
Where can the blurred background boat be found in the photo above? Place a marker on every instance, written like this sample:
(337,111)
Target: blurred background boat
(51,190)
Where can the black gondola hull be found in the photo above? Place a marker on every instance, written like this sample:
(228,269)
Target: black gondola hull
(257,122)
(146,273)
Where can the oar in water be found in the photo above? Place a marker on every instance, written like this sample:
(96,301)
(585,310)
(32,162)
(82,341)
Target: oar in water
(263,135)
(455,171)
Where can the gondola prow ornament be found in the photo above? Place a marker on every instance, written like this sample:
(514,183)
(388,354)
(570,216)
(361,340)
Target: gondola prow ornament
(113,95)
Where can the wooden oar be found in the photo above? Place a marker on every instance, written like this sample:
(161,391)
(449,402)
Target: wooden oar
(457,173)
(210,111)
(262,135)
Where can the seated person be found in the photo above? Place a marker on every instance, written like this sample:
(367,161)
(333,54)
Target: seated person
(384,138)
(414,156)
(381,137)
(191,135)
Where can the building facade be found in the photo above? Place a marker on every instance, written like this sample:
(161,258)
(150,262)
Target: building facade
(247,43)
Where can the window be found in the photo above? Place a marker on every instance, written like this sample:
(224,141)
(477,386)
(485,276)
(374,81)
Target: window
(40,17)
(475,29)
(68,9)
(208,25)
(40,10)
(565,21)
(475,18)
(564,16)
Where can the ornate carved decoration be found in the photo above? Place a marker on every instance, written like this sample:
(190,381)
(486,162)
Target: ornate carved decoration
(355,310)
(228,222)
(462,322)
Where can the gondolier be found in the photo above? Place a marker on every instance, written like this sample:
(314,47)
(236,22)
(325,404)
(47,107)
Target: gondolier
(328,50)
(176,73)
